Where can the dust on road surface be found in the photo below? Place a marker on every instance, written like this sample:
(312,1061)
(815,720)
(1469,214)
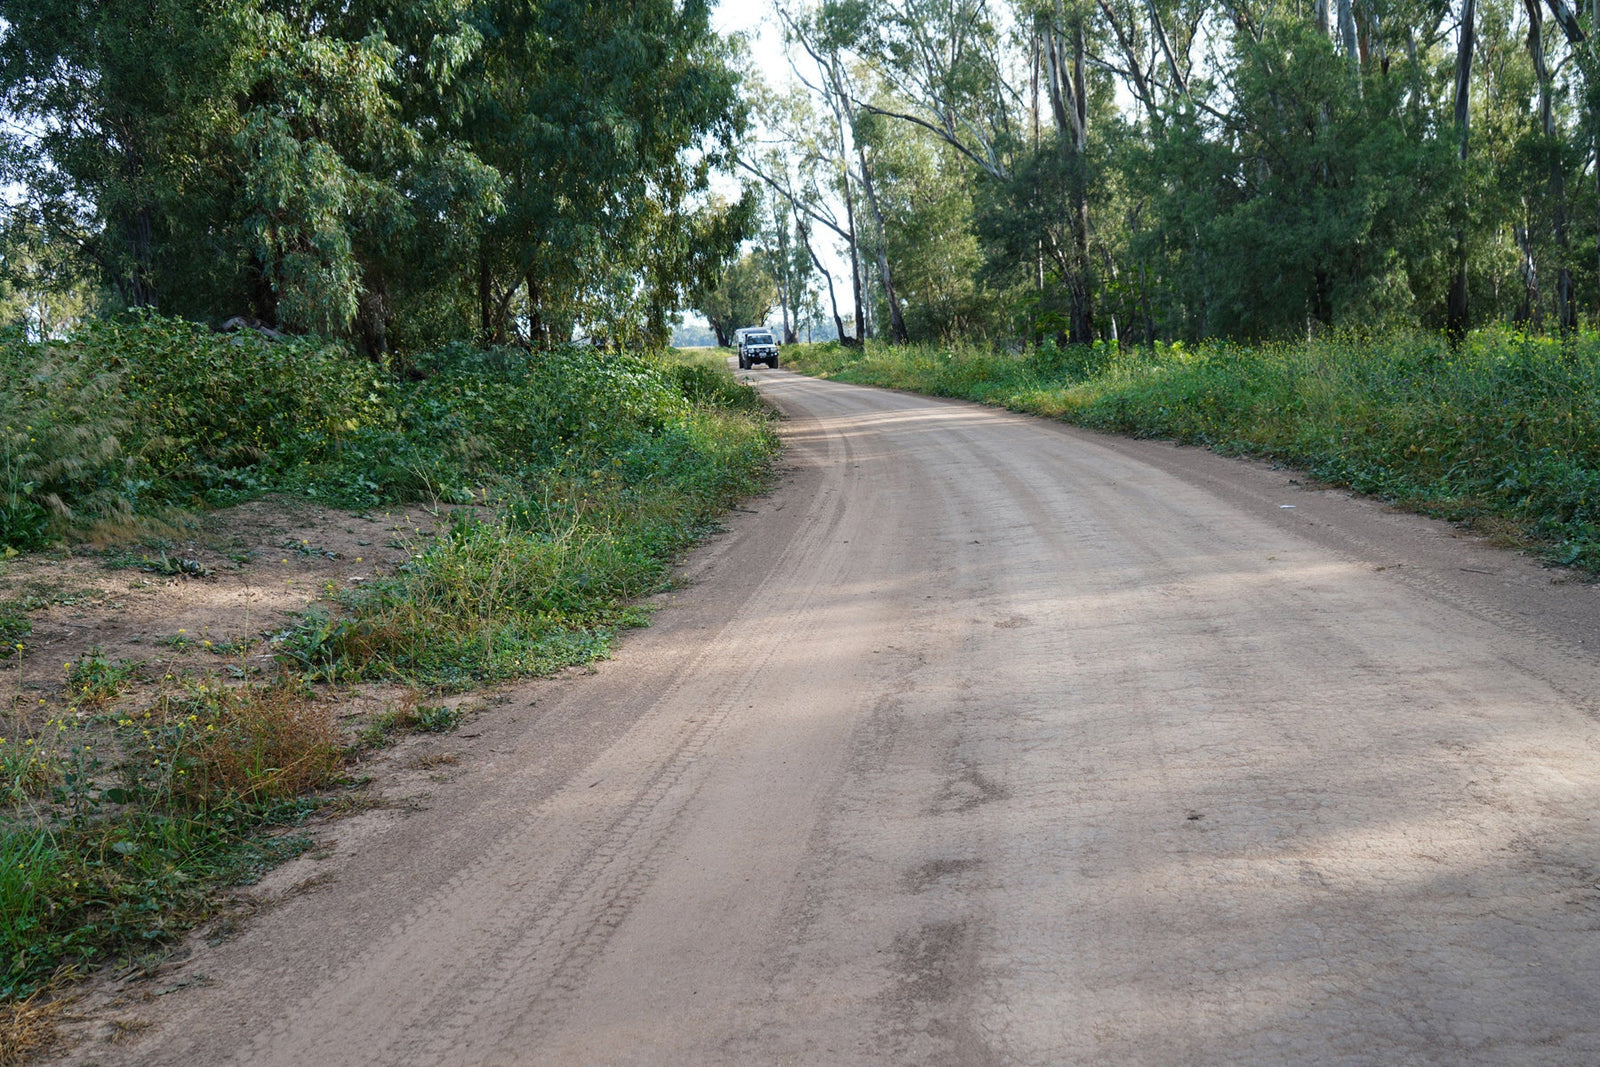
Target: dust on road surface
(982,740)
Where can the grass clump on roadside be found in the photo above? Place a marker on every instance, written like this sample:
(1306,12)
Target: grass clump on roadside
(1504,430)
(627,463)
(116,839)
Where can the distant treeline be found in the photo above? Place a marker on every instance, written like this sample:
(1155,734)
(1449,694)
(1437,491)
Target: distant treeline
(1180,169)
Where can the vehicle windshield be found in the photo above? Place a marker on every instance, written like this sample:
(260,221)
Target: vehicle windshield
(758,338)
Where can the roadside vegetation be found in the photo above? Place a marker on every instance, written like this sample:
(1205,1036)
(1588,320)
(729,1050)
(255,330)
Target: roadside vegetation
(1502,431)
(564,482)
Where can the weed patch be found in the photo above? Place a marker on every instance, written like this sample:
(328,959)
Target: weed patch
(94,681)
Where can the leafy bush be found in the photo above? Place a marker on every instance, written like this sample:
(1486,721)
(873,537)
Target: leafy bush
(231,414)
(131,416)
(437,718)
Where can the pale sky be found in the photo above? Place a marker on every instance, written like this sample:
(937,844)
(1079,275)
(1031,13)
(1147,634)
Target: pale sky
(733,16)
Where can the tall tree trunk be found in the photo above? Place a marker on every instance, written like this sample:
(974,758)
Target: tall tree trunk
(1456,308)
(1070,107)
(136,285)
(897,322)
(783,308)
(1347,38)
(1566,298)
(833,299)
(485,298)
(782,269)
(1528,312)
(1179,82)
(1556,184)
(855,266)
(838,100)
(373,317)
(538,328)
(1082,310)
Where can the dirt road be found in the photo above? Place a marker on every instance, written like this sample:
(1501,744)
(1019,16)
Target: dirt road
(981,740)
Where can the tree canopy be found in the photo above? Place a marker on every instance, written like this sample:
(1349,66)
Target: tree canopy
(402,174)
(397,173)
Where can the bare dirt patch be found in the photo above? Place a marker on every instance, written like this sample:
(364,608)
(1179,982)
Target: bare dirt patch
(208,600)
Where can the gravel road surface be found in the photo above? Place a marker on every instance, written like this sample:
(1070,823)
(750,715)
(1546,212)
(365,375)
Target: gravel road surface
(979,740)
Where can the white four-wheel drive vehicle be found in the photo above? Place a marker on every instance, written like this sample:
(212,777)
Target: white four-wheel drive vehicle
(756,345)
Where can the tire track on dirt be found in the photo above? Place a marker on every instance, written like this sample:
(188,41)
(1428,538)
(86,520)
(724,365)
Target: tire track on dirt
(538,935)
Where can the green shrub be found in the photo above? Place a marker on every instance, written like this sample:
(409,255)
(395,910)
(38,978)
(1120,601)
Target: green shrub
(135,415)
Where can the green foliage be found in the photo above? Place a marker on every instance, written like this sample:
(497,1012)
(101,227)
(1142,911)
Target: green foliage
(930,235)
(75,893)
(741,296)
(705,382)
(1329,206)
(221,414)
(545,582)
(390,174)
(93,679)
(1507,427)
(438,718)
(60,453)
(14,623)
(127,417)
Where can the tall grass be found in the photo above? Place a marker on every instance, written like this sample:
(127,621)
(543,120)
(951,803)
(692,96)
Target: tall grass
(1506,428)
(60,452)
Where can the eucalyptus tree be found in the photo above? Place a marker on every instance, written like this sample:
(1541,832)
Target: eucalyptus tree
(953,69)
(100,99)
(226,157)
(926,191)
(742,295)
(807,163)
(827,34)
(784,254)
(605,120)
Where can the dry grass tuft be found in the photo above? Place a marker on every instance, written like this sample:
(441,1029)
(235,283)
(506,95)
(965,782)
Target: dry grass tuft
(123,1029)
(217,744)
(29,1027)
(268,744)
